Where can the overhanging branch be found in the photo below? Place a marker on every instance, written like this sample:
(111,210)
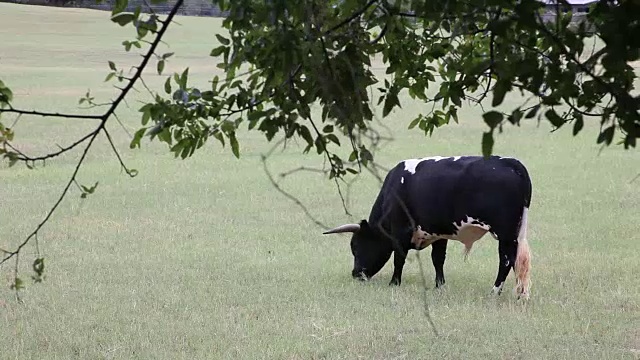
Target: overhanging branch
(91,136)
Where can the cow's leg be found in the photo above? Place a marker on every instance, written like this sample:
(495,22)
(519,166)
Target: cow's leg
(507,249)
(438,255)
(400,236)
(399,257)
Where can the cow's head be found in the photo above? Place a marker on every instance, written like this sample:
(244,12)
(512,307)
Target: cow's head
(370,250)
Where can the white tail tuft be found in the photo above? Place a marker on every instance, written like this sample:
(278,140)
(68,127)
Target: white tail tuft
(522,267)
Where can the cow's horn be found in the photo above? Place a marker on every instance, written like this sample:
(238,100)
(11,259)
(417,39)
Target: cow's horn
(344,228)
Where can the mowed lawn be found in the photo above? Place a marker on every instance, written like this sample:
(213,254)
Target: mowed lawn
(203,259)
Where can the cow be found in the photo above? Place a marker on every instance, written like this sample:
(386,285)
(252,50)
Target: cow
(429,201)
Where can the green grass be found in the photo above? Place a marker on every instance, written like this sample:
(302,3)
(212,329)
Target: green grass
(202,259)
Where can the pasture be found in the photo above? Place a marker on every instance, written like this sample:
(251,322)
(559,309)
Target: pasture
(203,259)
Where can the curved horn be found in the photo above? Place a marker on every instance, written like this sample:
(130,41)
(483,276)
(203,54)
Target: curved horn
(344,228)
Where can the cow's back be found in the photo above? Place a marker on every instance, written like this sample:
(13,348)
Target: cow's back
(441,190)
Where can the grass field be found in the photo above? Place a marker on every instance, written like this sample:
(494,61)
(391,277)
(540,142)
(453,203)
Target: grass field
(202,259)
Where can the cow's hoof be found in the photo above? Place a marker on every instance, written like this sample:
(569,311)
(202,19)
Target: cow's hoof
(522,295)
(395,282)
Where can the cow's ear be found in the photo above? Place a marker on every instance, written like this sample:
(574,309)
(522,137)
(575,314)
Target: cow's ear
(364,225)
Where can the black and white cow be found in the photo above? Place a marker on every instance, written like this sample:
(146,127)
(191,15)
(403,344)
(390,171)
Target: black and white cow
(435,199)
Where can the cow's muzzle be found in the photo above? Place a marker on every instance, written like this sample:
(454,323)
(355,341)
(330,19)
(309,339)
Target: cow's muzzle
(359,274)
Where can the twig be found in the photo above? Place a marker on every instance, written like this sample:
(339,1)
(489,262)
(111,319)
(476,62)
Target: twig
(49,114)
(425,299)
(57,203)
(91,136)
(288,195)
(115,150)
(492,40)
(122,125)
(324,147)
(15,278)
(59,152)
(144,84)
(350,18)
(302,168)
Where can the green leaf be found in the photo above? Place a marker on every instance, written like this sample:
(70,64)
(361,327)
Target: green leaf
(492,118)
(223,40)
(123,19)
(235,147)
(606,136)
(146,113)
(17,284)
(353,156)
(365,155)
(579,123)
(89,190)
(333,138)
(167,55)
(106,79)
(160,67)
(119,6)
(499,91)
(487,144)
(306,135)
(218,135)
(112,65)
(167,85)
(415,122)
(137,137)
(6,96)
(184,78)
(532,113)
(217,51)
(515,116)
(390,101)
(555,119)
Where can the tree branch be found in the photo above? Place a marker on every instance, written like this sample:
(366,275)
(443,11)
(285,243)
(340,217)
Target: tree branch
(276,185)
(49,114)
(350,18)
(619,95)
(91,137)
(63,150)
(129,172)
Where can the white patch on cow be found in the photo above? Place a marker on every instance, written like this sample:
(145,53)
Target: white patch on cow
(469,231)
(497,289)
(402,180)
(411,164)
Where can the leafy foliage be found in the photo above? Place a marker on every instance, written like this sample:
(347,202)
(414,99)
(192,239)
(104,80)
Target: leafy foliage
(281,58)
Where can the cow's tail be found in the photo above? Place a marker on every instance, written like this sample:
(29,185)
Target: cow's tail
(522,267)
